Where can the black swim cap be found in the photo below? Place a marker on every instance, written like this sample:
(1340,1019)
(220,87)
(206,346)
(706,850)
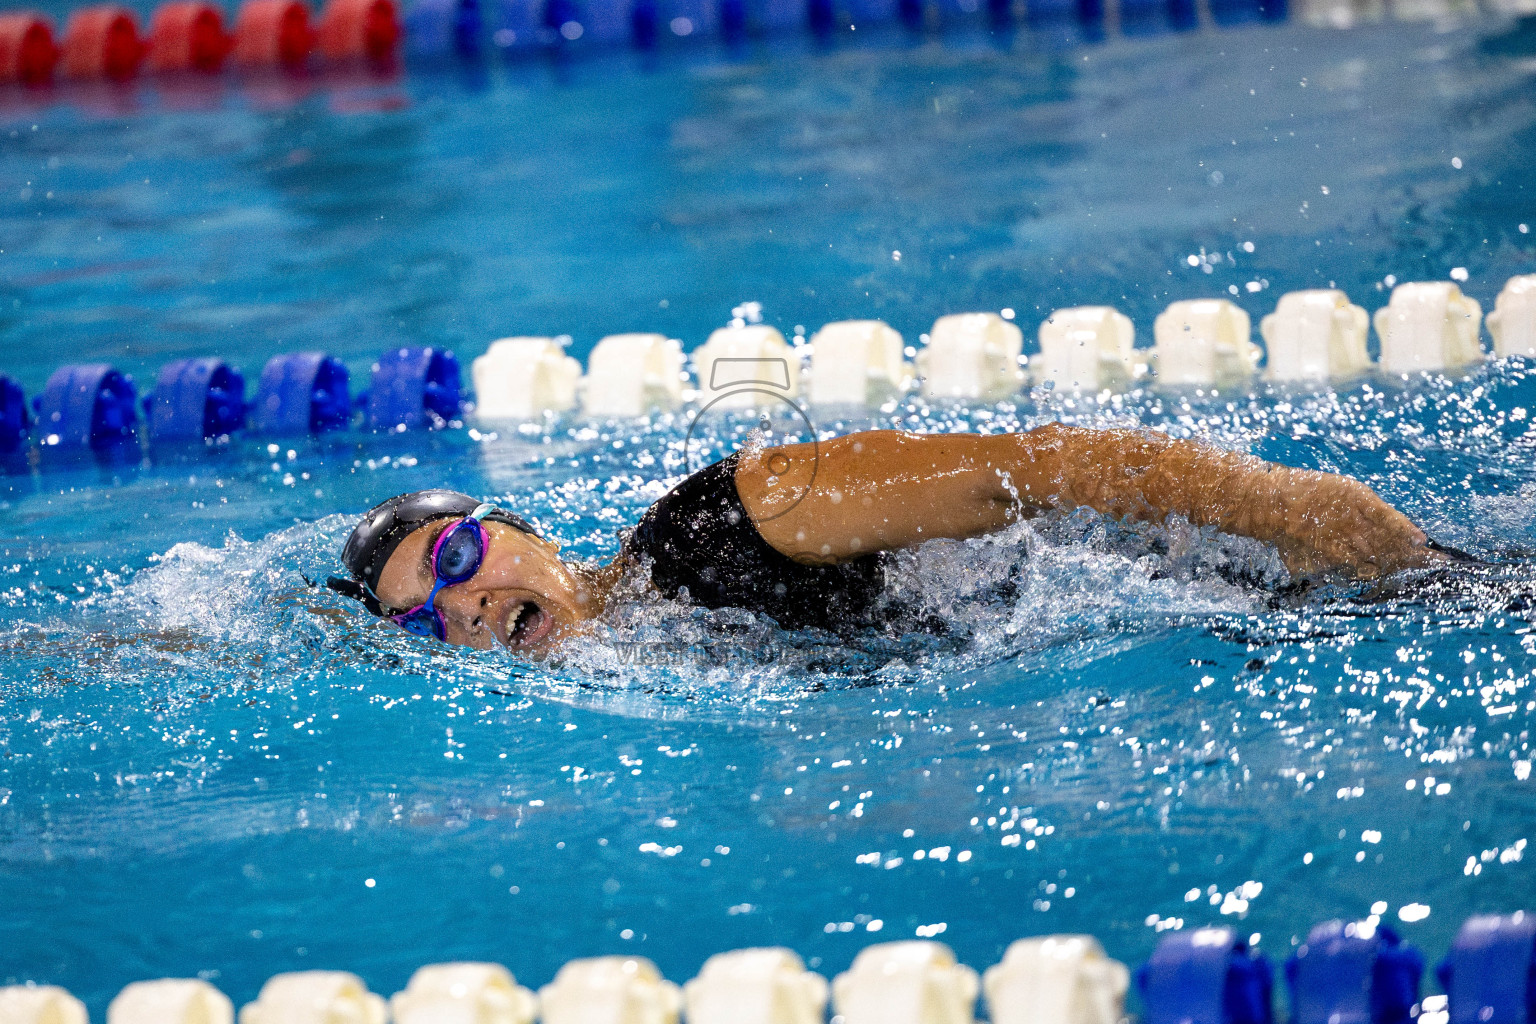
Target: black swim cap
(388,523)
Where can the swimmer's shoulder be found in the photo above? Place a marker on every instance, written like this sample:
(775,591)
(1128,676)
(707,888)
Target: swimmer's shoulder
(699,506)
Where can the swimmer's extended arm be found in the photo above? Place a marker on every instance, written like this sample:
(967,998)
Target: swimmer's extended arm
(881,490)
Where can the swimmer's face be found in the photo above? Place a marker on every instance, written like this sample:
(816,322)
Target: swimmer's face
(523,596)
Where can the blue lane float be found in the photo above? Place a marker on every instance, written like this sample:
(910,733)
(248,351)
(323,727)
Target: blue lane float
(733,21)
(820,17)
(87,406)
(301,393)
(1154,17)
(196,400)
(1490,974)
(644,21)
(14,420)
(1230,13)
(413,388)
(1353,973)
(1206,976)
(438,28)
(558,16)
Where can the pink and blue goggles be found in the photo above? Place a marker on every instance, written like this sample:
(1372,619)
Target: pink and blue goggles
(456,557)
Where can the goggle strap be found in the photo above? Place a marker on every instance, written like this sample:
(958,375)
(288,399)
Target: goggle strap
(357,591)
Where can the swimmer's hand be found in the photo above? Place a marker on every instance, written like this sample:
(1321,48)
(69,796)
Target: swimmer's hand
(1322,523)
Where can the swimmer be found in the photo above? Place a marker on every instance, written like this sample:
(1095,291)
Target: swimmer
(799,532)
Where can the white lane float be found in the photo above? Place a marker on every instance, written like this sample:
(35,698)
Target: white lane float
(912,982)
(314,997)
(1513,320)
(1086,348)
(857,362)
(1059,979)
(1204,342)
(633,374)
(40,1004)
(610,990)
(745,367)
(1428,326)
(756,986)
(1315,335)
(171,1001)
(976,356)
(463,993)
(523,378)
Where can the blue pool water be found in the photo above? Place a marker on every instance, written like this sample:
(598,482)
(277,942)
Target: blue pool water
(209,767)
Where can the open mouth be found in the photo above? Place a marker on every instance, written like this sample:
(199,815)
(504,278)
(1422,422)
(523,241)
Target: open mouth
(527,624)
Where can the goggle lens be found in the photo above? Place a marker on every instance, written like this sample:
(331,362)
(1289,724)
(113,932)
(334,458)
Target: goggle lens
(460,551)
(423,622)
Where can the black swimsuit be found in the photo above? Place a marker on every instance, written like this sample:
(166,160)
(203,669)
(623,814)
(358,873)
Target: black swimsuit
(700,538)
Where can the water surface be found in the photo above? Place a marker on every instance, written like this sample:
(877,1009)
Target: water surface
(212,767)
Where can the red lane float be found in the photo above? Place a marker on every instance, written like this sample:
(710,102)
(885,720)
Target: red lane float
(102,42)
(188,36)
(353,30)
(27,52)
(273,33)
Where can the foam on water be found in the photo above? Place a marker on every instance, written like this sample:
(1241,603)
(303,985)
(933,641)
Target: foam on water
(251,606)
(1029,589)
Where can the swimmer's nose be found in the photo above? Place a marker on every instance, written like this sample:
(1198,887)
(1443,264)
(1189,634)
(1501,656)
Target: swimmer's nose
(469,616)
